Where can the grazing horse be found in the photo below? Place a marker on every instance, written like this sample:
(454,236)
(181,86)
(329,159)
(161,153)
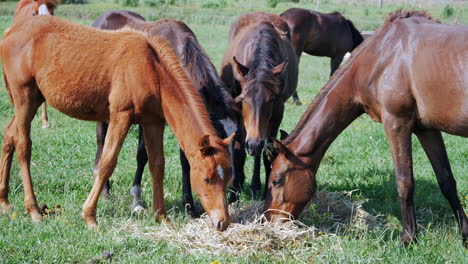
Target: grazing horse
(411,88)
(201,72)
(318,34)
(260,70)
(27,8)
(124,77)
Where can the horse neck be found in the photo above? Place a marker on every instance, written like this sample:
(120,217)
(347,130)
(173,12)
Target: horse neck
(331,112)
(185,113)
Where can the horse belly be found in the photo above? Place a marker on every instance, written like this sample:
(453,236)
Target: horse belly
(81,102)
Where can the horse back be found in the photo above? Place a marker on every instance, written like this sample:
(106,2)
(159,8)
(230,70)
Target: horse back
(116,19)
(111,67)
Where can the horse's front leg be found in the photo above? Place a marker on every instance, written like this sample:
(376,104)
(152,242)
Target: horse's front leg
(118,129)
(142,159)
(433,145)
(153,135)
(44,118)
(398,131)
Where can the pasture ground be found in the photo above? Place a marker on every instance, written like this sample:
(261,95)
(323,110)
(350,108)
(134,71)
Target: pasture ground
(358,161)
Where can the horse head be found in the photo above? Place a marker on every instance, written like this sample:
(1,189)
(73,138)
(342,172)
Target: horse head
(26,8)
(210,175)
(261,92)
(291,185)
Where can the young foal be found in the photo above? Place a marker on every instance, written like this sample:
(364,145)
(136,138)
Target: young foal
(123,77)
(27,8)
(201,72)
(318,34)
(411,88)
(260,69)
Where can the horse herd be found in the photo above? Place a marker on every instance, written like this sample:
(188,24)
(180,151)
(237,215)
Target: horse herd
(411,76)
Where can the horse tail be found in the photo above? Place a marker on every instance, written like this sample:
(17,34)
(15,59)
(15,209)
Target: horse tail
(356,35)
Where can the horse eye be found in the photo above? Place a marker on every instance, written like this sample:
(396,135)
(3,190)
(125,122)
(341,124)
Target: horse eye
(277,181)
(207,180)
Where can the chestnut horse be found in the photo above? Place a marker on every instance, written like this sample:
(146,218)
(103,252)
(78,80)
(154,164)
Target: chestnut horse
(260,70)
(203,75)
(124,77)
(411,88)
(27,8)
(318,34)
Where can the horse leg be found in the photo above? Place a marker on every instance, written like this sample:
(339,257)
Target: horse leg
(256,183)
(275,122)
(142,159)
(187,198)
(27,101)
(295,96)
(101,132)
(154,147)
(433,145)
(44,118)
(238,166)
(398,131)
(5,164)
(118,129)
(335,63)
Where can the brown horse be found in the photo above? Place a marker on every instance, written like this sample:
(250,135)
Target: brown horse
(318,34)
(124,77)
(260,69)
(412,87)
(27,8)
(204,77)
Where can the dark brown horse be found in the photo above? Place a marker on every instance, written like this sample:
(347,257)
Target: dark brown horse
(399,80)
(260,69)
(201,72)
(27,8)
(318,34)
(124,77)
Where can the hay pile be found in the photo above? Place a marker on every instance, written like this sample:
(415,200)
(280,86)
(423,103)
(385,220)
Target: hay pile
(248,233)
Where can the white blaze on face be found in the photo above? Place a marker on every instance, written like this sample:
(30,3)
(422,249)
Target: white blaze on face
(43,10)
(220,172)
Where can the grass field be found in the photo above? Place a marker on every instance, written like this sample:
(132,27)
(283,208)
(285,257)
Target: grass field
(359,161)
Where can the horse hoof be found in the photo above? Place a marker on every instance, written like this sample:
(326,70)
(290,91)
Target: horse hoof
(5,207)
(92,225)
(298,102)
(138,209)
(45,126)
(36,217)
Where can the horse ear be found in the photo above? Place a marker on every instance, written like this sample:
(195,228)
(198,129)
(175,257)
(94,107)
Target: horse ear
(227,141)
(283,134)
(240,71)
(279,146)
(205,148)
(280,67)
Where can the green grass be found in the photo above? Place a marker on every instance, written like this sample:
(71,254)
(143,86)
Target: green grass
(359,159)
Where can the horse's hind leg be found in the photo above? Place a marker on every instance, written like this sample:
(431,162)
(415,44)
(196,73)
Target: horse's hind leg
(5,164)
(433,145)
(44,118)
(142,159)
(101,132)
(118,129)
(154,147)
(398,131)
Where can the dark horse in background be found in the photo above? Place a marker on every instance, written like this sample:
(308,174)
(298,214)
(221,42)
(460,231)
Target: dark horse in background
(318,34)
(201,72)
(401,81)
(260,70)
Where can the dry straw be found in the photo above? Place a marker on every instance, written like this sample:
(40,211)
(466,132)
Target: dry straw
(249,233)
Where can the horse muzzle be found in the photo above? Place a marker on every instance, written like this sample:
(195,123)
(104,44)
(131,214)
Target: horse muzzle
(221,223)
(254,146)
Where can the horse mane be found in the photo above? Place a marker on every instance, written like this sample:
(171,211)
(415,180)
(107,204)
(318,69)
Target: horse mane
(203,73)
(265,57)
(392,17)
